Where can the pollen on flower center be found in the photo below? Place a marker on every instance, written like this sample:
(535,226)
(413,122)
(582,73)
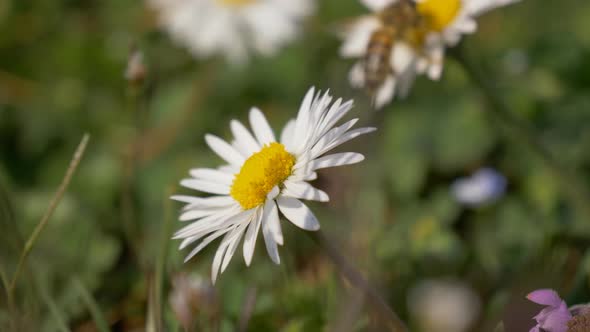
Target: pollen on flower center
(439,13)
(236,2)
(260,173)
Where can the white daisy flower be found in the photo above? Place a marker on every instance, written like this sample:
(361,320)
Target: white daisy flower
(403,38)
(232,27)
(264,176)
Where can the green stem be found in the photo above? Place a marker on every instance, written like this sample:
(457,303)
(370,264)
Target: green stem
(520,131)
(6,286)
(60,320)
(158,284)
(97,316)
(394,323)
(137,104)
(52,206)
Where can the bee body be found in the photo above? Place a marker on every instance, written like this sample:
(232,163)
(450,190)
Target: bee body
(377,61)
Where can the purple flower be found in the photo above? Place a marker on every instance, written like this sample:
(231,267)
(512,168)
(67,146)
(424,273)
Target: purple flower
(555,316)
(485,186)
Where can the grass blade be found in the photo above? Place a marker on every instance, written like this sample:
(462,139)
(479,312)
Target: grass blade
(53,308)
(5,283)
(99,320)
(155,310)
(52,206)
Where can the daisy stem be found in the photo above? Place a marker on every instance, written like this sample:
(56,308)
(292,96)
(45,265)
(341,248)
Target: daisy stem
(52,206)
(350,273)
(520,131)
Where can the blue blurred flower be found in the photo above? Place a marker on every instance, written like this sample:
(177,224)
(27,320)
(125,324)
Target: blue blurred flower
(485,186)
(555,316)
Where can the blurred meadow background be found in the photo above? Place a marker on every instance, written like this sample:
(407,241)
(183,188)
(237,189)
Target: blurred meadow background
(106,261)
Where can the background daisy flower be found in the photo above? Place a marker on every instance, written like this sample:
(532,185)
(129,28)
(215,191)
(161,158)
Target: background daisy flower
(232,28)
(264,176)
(403,38)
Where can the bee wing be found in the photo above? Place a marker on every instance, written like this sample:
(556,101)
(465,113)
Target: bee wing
(377,5)
(356,35)
(343,28)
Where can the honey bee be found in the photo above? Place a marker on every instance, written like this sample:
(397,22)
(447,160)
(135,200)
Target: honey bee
(395,20)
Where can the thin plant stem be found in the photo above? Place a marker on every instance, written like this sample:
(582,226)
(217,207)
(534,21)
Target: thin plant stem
(53,308)
(520,131)
(394,323)
(158,283)
(129,202)
(247,309)
(4,279)
(100,321)
(151,322)
(52,206)
(6,286)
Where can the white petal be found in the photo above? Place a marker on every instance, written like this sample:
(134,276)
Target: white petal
(230,169)
(261,128)
(321,149)
(402,56)
(288,134)
(251,236)
(435,53)
(206,186)
(377,5)
(467,26)
(210,202)
(310,176)
(358,37)
(219,254)
(212,175)
(405,81)
(356,76)
(297,213)
(208,224)
(330,136)
(270,221)
(187,242)
(302,121)
(336,112)
(199,213)
(244,138)
(185,198)
(337,159)
(224,150)
(204,243)
(479,7)
(435,71)
(304,190)
(307,100)
(235,238)
(275,225)
(385,92)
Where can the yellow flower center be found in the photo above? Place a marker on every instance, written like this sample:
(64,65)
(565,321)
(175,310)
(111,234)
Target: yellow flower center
(235,3)
(439,13)
(260,173)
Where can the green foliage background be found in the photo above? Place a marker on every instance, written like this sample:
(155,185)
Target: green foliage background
(62,69)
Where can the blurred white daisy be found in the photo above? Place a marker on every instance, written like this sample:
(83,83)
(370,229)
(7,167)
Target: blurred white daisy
(439,305)
(403,38)
(232,28)
(264,176)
